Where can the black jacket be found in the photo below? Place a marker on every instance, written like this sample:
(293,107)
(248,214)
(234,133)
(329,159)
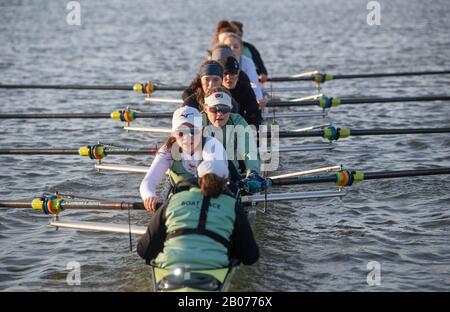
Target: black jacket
(246,99)
(260,68)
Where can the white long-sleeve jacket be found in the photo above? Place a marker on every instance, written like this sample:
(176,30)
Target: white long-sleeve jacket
(212,150)
(248,67)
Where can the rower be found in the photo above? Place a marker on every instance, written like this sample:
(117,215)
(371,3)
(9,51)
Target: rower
(251,52)
(201,227)
(181,154)
(210,75)
(234,41)
(237,82)
(236,135)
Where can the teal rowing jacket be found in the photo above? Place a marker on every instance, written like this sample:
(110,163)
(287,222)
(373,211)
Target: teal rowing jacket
(197,251)
(239,145)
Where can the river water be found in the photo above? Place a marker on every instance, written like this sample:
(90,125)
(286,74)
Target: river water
(312,245)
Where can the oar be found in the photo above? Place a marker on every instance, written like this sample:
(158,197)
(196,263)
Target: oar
(323,101)
(151,87)
(122,115)
(333,134)
(99,151)
(327,102)
(95,151)
(348,177)
(147,88)
(318,77)
(54,205)
(128,115)
(69,204)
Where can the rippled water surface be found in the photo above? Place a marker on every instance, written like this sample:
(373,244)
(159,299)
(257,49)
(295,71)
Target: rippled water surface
(313,245)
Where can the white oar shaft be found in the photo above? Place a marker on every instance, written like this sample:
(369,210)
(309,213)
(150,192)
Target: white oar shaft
(163,100)
(149,129)
(311,128)
(303,74)
(292,196)
(121,168)
(306,98)
(100,227)
(311,171)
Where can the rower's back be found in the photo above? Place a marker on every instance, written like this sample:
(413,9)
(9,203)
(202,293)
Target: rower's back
(201,227)
(197,236)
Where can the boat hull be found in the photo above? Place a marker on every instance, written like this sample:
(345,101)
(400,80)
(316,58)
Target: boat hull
(210,280)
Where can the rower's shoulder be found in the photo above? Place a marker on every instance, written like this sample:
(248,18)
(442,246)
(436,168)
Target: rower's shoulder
(247,63)
(248,45)
(243,78)
(237,119)
(191,101)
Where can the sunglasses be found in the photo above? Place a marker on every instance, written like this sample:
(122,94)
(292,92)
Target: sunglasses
(219,109)
(186,131)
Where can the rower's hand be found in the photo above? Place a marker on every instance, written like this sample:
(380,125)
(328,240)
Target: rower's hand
(150,203)
(254,183)
(262,103)
(263,78)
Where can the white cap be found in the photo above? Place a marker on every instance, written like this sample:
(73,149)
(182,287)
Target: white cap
(186,114)
(217,167)
(218,98)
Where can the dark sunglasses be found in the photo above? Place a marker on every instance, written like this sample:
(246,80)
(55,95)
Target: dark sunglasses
(219,109)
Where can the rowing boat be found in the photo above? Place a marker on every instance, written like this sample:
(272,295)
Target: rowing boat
(182,279)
